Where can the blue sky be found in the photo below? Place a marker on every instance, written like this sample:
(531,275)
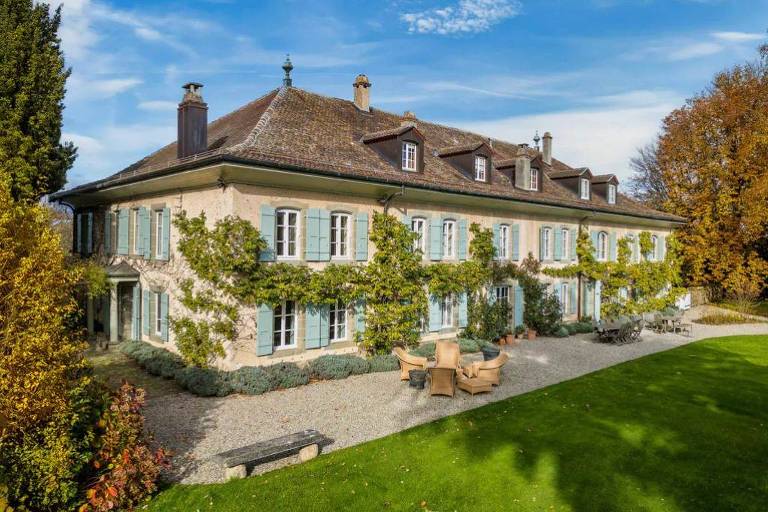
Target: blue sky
(599,74)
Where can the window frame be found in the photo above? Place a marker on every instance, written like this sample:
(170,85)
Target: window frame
(654,248)
(158,331)
(334,311)
(504,242)
(449,238)
(405,156)
(136,226)
(565,235)
(502,297)
(481,171)
(533,178)
(340,243)
(286,244)
(158,233)
(448,311)
(546,239)
(281,329)
(420,243)
(602,246)
(611,194)
(584,188)
(564,297)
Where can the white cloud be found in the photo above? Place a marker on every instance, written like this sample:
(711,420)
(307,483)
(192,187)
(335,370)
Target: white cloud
(468,16)
(694,50)
(81,87)
(738,37)
(602,138)
(158,106)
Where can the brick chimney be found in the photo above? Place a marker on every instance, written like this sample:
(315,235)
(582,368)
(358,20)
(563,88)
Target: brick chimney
(362,94)
(546,150)
(192,122)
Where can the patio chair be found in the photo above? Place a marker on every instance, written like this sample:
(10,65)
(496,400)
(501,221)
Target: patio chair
(442,381)
(487,370)
(409,362)
(447,354)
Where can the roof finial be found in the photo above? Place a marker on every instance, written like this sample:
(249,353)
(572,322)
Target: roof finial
(287,67)
(536,139)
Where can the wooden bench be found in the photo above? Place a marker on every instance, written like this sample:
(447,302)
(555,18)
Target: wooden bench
(306,444)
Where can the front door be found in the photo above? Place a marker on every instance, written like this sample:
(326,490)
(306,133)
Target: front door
(125,310)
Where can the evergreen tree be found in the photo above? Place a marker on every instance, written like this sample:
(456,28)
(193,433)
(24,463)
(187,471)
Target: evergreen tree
(33,161)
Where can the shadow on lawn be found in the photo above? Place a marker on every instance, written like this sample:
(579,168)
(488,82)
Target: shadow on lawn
(682,430)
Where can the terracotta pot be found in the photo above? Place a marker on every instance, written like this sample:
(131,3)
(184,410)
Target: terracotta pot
(502,340)
(510,339)
(531,334)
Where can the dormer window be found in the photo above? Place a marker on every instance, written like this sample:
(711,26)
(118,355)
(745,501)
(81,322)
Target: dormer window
(611,193)
(534,178)
(584,188)
(409,156)
(480,168)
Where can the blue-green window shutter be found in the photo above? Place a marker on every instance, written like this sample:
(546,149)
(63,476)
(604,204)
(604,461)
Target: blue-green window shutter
(515,242)
(265,329)
(312,252)
(105,312)
(136,312)
(107,233)
(324,237)
(435,239)
(145,313)
(574,289)
(636,249)
(78,233)
(492,295)
(594,235)
(598,299)
(519,305)
(122,231)
(140,235)
(574,239)
(558,244)
(463,239)
(361,236)
(360,316)
(435,320)
(89,233)
(407,221)
(662,247)
(325,317)
(541,244)
(589,300)
(313,326)
(164,316)
(165,248)
(463,317)
(145,246)
(497,239)
(267,229)
(612,246)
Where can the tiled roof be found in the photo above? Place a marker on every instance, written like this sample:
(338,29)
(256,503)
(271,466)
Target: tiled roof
(297,128)
(604,178)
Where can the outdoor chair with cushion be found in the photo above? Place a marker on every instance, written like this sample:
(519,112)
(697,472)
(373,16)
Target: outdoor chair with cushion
(442,381)
(487,370)
(447,354)
(473,385)
(409,362)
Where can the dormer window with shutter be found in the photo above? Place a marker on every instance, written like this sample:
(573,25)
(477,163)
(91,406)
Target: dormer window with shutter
(481,165)
(471,160)
(403,147)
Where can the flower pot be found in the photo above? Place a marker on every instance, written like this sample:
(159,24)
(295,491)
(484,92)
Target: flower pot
(490,353)
(510,339)
(531,334)
(503,340)
(417,378)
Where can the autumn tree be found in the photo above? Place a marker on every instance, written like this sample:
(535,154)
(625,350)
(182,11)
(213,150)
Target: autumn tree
(713,157)
(33,160)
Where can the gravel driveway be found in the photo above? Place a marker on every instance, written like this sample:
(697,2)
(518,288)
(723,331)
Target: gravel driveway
(366,407)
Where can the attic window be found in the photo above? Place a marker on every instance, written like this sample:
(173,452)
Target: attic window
(534,175)
(584,188)
(480,168)
(409,156)
(611,193)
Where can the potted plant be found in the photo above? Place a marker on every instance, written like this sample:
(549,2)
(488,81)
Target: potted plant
(417,378)
(509,336)
(519,331)
(531,334)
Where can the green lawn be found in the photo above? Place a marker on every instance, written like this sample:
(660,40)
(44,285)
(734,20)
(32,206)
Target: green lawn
(685,429)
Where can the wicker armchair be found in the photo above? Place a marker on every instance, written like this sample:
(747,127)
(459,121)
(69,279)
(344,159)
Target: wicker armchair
(442,381)
(447,354)
(409,362)
(488,370)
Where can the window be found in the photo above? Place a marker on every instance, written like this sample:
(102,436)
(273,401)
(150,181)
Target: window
(611,193)
(285,325)
(480,168)
(602,246)
(159,233)
(633,252)
(502,294)
(419,226)
(287,232)
(546,244)
(655,248)
(158,315)
(566,255)
(503,242)
(564,297)
(584,188)
(409,156)
(136,231)
(338,322)
(447,311)
(534,178)
(449,231)
(339,235)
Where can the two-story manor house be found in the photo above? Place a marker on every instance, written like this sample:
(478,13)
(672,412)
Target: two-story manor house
(309,171)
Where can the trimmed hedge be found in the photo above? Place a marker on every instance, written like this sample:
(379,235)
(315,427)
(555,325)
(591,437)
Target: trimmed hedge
(466,346)
(331,366)
(579,327)
(157,361)
(383,363)
(204,381)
